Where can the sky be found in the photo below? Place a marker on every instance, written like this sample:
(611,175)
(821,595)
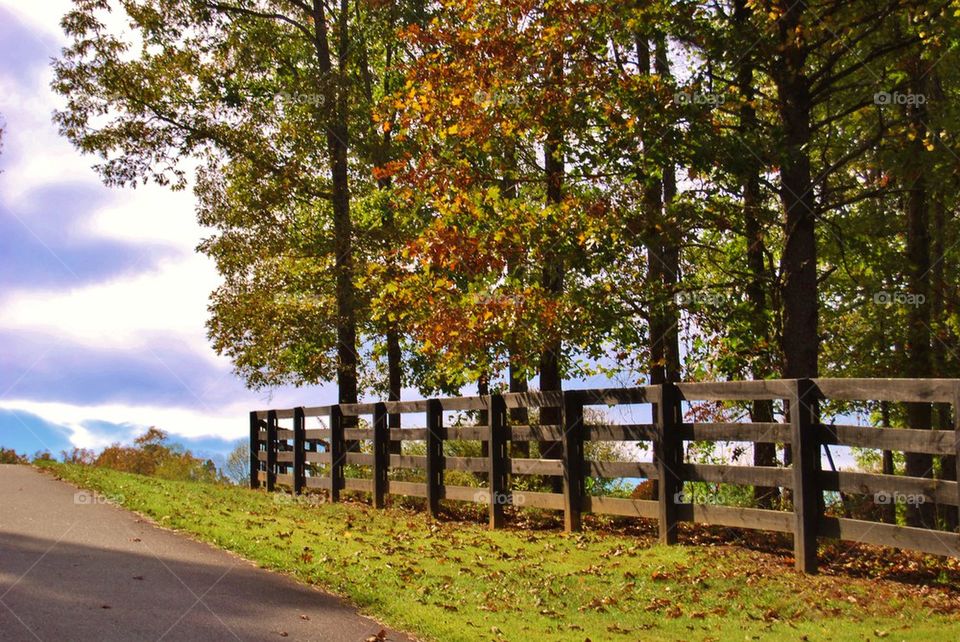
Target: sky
(102,296)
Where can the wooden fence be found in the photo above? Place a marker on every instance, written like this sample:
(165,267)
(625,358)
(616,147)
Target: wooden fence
(279,456)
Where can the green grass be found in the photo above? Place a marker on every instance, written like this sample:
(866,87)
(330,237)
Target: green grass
(460,581)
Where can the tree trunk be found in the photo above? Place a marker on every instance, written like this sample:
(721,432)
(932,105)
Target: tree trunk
(395,382)
(798,265)
(756,289)
(948,463)
(333,116)
(552,277)
(918,354)
(670,248)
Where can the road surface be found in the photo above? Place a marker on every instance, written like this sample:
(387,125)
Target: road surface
(73,569)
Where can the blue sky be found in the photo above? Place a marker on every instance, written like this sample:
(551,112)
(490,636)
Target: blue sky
(102,297)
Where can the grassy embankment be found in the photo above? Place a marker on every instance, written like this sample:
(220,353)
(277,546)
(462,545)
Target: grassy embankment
(459,581)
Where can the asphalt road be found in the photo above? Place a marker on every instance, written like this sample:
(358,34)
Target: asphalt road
(74,568)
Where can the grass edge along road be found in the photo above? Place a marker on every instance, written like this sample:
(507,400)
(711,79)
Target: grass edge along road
(460,581)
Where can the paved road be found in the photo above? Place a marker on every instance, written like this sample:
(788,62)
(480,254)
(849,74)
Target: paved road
(90,571)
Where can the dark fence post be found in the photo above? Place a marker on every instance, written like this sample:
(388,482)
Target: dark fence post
(434,455)
(254,450)
(337,448)
(299,451)
(806,467)
(573,461)
(497,458)
(381,454)
(956,443)
(668,450)
(271,449)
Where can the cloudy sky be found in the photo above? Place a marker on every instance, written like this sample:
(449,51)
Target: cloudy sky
(102,297)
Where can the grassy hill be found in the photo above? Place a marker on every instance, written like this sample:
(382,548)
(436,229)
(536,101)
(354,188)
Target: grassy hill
(455,580)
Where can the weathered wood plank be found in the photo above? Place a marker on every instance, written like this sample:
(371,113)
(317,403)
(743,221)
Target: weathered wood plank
(535,433)
(420,405)
(408,434)
(470,464)
(358,434)
(919,390)
(359,459)
(735,517)
(463,403)
(408,461)
(363,485)
(625,432)
(356,409)
(552,399)
(613,469)
(323,483)
(759,432)
(615,396)
(735,390)
(535,466)
(934,442)
(314,434)
(467,433)
(742,475)
(916,539)
(464,494)
(938,490)
(317,411)
(530,499)
(285,480)
(647,508)
(317,458)
(410,489)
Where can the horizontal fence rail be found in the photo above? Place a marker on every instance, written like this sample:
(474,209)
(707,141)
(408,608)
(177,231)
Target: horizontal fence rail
(301,458)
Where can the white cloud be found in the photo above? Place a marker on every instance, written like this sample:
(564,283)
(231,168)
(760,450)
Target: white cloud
(229,423)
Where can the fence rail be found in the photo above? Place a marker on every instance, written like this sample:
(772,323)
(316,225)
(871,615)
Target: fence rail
(280,456)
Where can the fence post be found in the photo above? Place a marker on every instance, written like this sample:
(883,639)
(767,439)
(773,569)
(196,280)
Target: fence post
(956,442)
(299,451)
(806,467)
(271,449)
(254,450)
(337,448)
(573,462)
(434,455)
(668,451)
(381,454)
(497,457)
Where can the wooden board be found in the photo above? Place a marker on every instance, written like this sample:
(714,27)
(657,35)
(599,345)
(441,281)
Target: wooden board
(916,539)
(616,506)
(754,518)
